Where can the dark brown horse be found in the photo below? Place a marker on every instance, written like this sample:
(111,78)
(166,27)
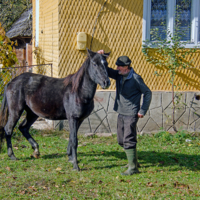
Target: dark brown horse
(68,98)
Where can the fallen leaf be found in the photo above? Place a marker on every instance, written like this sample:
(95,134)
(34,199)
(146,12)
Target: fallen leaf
(150,172)
(8,168)
(72,181)
(100,181)
(16,148)
(58,169)
(180,185)
(150,184)
(189,191)
(22,192)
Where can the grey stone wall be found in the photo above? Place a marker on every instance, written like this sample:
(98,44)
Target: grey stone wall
(104,120)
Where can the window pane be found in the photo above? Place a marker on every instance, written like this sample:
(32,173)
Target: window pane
(158,19)
(183,19)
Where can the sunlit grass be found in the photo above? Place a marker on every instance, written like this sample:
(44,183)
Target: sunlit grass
(170,168)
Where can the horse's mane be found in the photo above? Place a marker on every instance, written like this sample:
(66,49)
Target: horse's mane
(75,79)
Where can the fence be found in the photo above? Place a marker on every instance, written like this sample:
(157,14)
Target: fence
(12,72)
(45,69)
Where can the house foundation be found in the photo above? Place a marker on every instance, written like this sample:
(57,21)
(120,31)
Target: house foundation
(103,118)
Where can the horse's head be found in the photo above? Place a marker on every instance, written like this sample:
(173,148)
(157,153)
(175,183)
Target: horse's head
(98,68)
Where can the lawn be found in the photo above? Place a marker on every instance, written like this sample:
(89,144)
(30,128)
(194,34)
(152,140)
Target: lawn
(170,168)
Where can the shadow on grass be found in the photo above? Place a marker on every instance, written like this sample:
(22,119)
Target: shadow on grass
(146,159)
(54,155)
(152,158)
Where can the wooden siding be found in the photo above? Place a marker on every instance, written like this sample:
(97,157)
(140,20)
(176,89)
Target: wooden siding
(48,33)
(118,30)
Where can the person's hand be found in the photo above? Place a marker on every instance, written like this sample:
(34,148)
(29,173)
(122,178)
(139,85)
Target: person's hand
(140,115)
(100,51)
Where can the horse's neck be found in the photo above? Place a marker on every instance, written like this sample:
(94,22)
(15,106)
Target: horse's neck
(88,87)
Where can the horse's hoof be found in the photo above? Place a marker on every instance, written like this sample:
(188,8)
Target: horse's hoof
(76,169)
(13,157)
(36,156)
(70,160)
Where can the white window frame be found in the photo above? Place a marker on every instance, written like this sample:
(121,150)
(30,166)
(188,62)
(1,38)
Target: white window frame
(195,17)
(37,20)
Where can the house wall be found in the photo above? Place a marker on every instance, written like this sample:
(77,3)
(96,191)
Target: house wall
(48,33)
(118,30)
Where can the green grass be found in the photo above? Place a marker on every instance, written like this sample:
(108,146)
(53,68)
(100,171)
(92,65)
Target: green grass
(170,168)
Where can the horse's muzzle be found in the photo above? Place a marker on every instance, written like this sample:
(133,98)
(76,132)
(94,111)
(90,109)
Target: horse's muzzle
(105,84)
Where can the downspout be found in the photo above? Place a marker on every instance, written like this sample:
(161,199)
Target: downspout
(37,13)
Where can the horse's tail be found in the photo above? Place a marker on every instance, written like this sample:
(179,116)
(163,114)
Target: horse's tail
(3,117)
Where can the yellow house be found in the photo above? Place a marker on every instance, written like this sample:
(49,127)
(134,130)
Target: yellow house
(117,26)
(113,25)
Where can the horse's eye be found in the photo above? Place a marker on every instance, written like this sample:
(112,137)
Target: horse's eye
(95,65)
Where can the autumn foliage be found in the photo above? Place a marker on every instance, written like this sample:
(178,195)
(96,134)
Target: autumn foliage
(8,58)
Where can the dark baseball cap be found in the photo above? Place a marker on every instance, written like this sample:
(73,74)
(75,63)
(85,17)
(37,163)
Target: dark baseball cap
(123,61)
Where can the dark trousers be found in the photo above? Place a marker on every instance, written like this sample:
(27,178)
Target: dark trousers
(126,131)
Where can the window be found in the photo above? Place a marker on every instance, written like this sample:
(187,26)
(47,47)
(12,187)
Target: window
(158,18)
(163,16)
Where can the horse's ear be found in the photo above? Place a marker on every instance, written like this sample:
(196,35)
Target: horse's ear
(106,54)
(90,53)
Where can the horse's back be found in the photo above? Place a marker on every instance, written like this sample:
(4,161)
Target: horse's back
(42,94)
(30,83)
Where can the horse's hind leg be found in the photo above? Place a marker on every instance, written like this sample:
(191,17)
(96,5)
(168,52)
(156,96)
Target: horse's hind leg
(14,116)
(24,128)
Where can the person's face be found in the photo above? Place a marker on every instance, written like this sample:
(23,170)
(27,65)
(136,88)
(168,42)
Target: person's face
(122,69)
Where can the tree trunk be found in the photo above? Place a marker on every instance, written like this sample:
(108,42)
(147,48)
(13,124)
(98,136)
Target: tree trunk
(174,108)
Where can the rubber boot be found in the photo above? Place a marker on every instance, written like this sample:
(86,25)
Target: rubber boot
(132,162)
(126,166)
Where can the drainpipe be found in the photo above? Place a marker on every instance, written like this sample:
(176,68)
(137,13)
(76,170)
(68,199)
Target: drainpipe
(37,15)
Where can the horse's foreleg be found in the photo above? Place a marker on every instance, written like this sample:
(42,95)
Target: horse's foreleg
(24,128)
(69,151)
(69,147)
(73,143)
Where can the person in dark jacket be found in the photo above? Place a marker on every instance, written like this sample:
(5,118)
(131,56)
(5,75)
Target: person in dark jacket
(129,89)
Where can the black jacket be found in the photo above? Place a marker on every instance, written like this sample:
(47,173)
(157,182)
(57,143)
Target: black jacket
(127,101)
